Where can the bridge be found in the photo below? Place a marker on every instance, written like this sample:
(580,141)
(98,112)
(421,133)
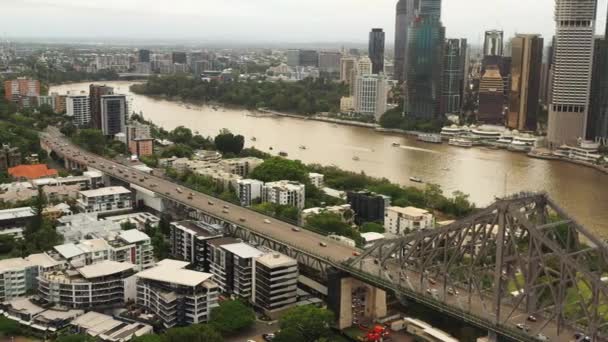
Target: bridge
(521,256)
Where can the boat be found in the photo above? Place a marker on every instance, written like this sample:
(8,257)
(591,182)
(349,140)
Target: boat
(188,107)
(396,144)
(430,138)
(416,180)
(461,142)
(283,154)
(214,108)
(253,139)
(270,148)
(445,169)
(302,147)
(355,158)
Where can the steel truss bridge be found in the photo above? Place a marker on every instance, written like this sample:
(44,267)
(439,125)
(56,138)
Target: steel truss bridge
(521,256)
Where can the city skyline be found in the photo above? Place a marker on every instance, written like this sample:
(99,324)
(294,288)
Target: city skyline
(207,21)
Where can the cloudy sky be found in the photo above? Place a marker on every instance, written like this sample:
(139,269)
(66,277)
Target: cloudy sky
(261,20)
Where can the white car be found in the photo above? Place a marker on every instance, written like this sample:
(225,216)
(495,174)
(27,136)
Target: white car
(267,221)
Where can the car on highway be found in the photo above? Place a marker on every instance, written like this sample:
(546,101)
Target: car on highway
(432,281)
(226,207)
(242,219)
(267,221)
(542,337)
(322,244)
(268,337)
(225,211)
(522,326)
(356,253)
(295,229)
(210,203)
(532,318)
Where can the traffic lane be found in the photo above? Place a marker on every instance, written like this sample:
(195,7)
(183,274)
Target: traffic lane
(304,239)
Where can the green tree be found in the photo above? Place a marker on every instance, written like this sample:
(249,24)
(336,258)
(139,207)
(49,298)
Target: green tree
(306,324)
(8,327)
(192,333)
(276,169)
(226,143)
(91,139)
(128,225)
(177,150)
(372,227)
(148,338)
(231,317)
(181,135)
(75,338)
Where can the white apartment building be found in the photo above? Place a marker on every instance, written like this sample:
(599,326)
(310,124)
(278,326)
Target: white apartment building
(231,263)
(97,285)
(249,190)
(284,193)
(371,93)
(240,166)
(400,221)
(345,212)
(105,200)
(177,296)
(189,241)
(18,276)
(226,179)
(317,179)
(79,107)
(275,282)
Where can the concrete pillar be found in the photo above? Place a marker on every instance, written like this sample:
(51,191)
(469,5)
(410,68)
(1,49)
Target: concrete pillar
(346,300)
(377,299)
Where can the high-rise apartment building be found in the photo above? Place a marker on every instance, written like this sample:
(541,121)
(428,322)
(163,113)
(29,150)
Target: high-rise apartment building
(404,17)
(597,128)
(309,58)
(143,56)
(275,282)
(376,50)
(371,92)
(95,94)
(493,43)
(425,60)
(453,77)
(347,66)
(113,114)
(491,97)
(22,91)
(569,110)
(527,56)
(179,58)
(79,107)
(329,62)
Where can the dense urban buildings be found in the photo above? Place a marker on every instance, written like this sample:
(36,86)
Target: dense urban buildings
(493,43)
(455,59)
(189,242)
(376,50)
(402,221)
(403,20)
(179,58)
(329,62)
(109,199)
(569,110)
(425,59)
(526,54)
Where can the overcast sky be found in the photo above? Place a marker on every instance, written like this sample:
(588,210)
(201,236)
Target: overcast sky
(262,20)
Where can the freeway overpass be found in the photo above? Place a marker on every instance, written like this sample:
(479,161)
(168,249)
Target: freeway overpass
(469,270)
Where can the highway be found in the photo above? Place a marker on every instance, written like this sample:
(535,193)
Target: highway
(301,239)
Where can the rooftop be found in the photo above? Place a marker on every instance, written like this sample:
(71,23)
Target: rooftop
(104,268)
(16,213)
(68,250)
(172,272)
(223,241)
(409,211)
(275,259)
(133,236)
(243,250)
(200,229)
(111,190)
(372,236)
(32,171)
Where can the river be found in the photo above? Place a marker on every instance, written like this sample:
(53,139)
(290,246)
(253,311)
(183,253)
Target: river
(480,172)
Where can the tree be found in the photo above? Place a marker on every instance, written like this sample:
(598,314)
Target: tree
(276,169)
(177,150)
(372,227)
(91,139)
(128,225)
(75,338)
(7,244)
(226,142)
(192,333)
(8,327)
(231,317)
(148,338)
(181,135)
(306,324)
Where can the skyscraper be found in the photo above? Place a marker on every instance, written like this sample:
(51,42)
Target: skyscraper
(491,97)
(404,17)
(376,50)
(597,128)
(347,65)
(95,94)
(453,78)
(78,107)
(113,114)
(527,56)
(569,110)
(425,51)
(371,94)
(143,56)
(179,58)
(493,43)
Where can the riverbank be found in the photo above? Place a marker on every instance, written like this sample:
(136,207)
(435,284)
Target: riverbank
(548,156)
(321,118)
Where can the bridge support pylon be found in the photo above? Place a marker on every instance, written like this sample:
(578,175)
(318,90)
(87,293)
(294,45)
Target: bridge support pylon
(352,300)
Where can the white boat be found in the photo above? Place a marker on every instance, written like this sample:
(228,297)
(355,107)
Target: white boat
(396,144)
(355,158)
(416,180)
(430,138)
(302,147)
(460,142)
